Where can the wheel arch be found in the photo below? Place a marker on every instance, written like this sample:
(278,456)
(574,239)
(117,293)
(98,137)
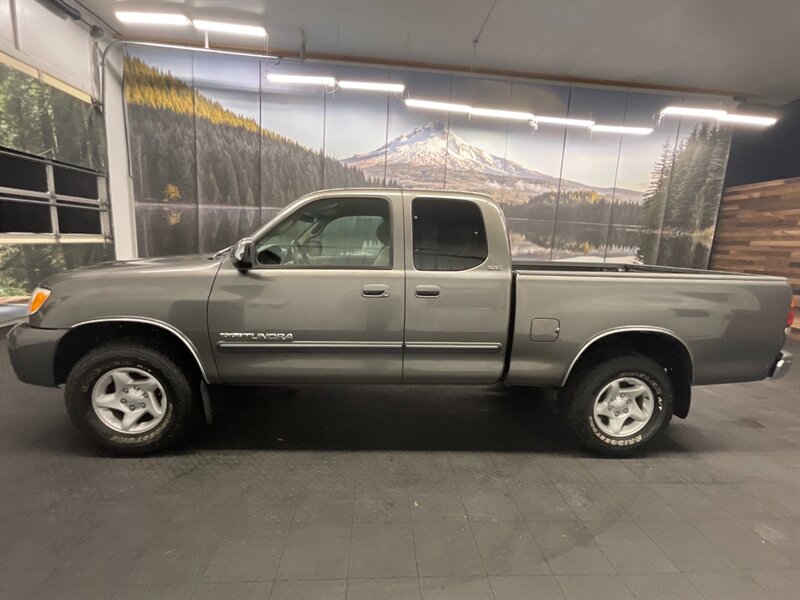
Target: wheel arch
(661,345)
(88,334)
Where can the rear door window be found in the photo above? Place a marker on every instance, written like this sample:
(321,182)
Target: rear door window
(448,235)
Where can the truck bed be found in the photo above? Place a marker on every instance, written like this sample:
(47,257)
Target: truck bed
(731,324)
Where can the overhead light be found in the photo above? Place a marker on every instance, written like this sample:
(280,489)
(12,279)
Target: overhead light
(687,111)
(304,79)
(500,114)
(150,18)
(748,120)
(253,30)
(563,121)
(621,129)
(433,105)
(372,86)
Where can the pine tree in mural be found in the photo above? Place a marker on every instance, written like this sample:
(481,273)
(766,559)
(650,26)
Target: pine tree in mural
(680,205)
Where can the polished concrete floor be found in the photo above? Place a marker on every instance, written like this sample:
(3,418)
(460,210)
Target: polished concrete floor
(389,493)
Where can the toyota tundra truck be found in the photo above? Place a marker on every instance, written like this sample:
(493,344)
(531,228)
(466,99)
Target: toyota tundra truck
(393,286)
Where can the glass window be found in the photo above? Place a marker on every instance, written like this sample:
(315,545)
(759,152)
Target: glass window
(449,235)
(343,233)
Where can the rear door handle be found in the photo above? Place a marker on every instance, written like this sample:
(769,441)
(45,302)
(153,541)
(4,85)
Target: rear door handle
(375,290)
(427,291)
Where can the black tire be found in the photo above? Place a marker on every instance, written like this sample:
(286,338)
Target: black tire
(584,387)
(139,354)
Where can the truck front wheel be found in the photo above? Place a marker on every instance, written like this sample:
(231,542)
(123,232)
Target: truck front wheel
(129,397)
(618,405)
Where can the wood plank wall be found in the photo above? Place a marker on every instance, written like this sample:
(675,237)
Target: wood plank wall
(759,232)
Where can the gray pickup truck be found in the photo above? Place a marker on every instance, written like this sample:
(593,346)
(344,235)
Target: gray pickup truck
(393,286)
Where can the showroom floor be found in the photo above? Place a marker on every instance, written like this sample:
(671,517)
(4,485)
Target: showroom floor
(388,493)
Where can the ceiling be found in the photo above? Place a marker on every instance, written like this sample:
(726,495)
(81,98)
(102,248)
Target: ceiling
(750,48)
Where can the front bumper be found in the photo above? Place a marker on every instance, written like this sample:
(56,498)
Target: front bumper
(32,351)
(782,365)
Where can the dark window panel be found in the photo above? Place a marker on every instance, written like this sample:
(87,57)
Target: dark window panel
(72,219)
(69,182)
(449,235)
(21,217)
(24,174)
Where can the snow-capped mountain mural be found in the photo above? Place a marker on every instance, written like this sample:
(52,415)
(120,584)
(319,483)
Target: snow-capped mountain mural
(423,156)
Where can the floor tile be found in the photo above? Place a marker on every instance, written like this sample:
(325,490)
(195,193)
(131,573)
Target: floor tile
(248,555)
(233,591)
(594,587)
(782,584)
(436,506)
(686,547)
(309,590)
(661,586)
(537,587)
(331,507)
(315,551)
(455,588)
(570,548)
(383,589)
(446,549)
(178,555)
(382,505)
(382,550)
(743,545)
(490,506)
(629,548)
(542,503)
(508,548)
(731,585)
(181,591)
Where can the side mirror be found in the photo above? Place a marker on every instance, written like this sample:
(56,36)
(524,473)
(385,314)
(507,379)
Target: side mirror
(244,254)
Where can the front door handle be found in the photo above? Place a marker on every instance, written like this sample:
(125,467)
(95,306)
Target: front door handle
(427,291)
(375,290)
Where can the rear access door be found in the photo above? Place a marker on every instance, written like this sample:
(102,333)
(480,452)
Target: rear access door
(458,289)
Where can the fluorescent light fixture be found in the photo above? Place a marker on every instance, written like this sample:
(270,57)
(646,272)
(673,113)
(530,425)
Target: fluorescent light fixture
(150,18)
(748,120)
(304,79)
(621,129)
(688,111)
(253,30)
(433,105)
(500,114)
(372,86)
(563,121)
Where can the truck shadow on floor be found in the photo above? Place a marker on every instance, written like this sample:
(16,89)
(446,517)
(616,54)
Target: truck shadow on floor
(366,417)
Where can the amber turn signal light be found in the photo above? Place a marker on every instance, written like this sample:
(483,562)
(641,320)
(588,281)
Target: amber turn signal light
(39,297)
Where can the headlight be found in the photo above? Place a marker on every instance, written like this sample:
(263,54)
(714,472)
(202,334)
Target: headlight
(39,297)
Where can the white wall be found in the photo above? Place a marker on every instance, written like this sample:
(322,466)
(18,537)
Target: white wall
(62,48)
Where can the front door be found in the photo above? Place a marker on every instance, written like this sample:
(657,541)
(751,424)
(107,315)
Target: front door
(325,301)
(458,290)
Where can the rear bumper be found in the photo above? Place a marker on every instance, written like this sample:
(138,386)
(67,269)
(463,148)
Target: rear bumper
(32,351)
(782,365)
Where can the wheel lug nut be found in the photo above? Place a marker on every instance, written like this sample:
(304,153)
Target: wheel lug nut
(616,413)
(125,391)
(132,407)
(628,401)
(136,388)
(124,400)
(625,410)
(143,405)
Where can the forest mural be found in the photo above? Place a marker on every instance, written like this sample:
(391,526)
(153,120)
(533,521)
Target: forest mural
(216,149)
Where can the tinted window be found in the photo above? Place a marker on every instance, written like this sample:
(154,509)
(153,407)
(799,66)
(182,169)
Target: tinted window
(449,235)
(332,233)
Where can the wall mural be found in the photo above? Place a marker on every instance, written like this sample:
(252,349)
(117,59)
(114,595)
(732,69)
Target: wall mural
(217,149)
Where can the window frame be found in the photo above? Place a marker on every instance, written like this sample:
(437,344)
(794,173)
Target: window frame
(448,199)
(263,233)
(53,200)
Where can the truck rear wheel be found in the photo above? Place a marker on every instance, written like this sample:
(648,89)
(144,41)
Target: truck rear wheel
(619,405)
(130,397)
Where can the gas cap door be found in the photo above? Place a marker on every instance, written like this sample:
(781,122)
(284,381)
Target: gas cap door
(545,330)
